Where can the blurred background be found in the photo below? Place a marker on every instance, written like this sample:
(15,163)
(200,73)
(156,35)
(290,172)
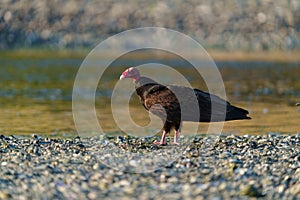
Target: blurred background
(255,44)
(224,25)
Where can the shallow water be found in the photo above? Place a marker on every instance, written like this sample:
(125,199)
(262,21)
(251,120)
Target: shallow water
(36,95)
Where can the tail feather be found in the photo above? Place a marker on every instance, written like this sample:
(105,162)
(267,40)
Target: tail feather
(236,113)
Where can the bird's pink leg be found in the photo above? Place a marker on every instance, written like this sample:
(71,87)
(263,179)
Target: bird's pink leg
(176,136)
(162,141)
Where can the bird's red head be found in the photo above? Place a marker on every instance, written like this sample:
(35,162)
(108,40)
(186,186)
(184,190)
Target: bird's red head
(132,73)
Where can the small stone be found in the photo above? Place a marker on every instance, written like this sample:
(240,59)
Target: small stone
(261,18)
(4,195)
(92,195)
(281,188)
(193,179)
(46,34)
(120,139)
(226,155)
(251,191)
(103,185)
(124,183)
(7,16)
(235,161)
(129,190)
(133,163)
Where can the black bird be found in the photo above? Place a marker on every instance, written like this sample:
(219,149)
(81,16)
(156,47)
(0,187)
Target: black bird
(161,101)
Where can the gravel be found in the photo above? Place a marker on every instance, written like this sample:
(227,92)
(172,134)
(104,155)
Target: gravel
(221,167)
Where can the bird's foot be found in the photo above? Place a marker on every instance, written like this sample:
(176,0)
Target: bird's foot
(175,143)
(159,143)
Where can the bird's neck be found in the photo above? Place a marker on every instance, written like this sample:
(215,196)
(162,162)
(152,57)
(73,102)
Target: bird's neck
(142,84)
(136,77)
(141,81)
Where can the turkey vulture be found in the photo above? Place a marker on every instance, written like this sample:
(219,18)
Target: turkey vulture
(161,101)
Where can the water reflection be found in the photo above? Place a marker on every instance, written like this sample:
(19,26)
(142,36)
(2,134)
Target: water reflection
(35,95)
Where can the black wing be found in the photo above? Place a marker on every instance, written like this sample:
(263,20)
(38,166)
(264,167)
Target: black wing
(186,104)
(221,109)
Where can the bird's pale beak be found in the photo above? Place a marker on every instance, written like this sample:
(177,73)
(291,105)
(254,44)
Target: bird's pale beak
(122,77)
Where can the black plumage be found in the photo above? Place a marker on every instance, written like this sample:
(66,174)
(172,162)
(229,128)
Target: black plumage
(174,104)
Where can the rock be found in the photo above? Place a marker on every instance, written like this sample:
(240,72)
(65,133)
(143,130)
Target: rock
(261,18)
(7,16)
(92,195)
(225,171)
(251,191)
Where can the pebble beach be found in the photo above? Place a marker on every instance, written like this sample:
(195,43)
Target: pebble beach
(232,167)
(229,25)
